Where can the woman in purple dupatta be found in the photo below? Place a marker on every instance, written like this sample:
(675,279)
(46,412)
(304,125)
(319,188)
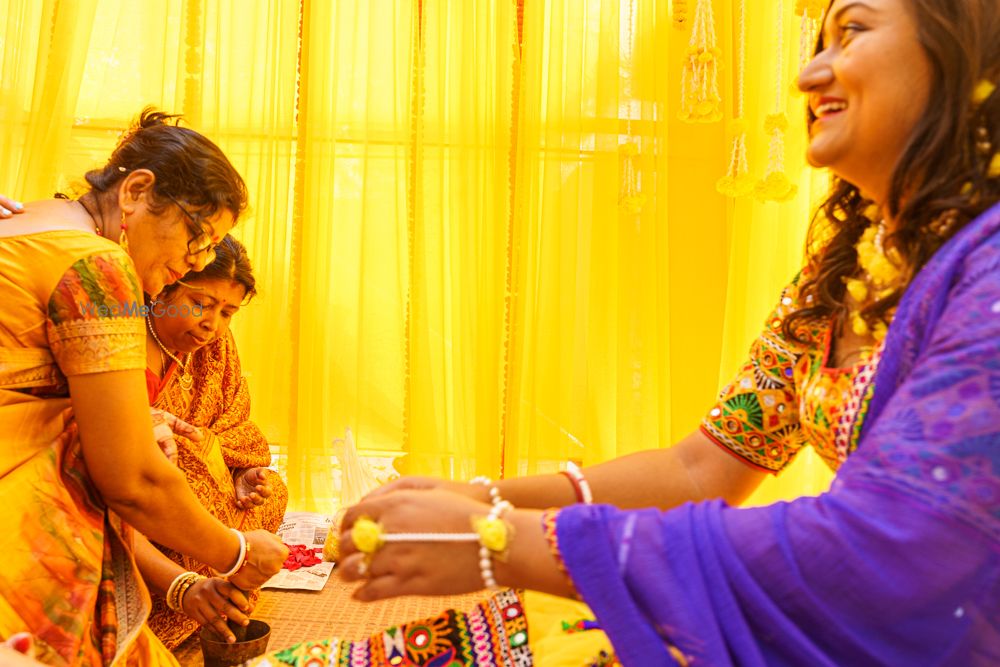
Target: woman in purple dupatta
(894,323)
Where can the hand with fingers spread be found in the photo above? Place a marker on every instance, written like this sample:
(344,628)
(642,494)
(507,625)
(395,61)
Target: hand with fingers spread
(214,601)
(252,487)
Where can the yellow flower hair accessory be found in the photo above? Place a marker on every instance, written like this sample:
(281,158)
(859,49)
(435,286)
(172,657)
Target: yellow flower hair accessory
(882,273)
(982,91)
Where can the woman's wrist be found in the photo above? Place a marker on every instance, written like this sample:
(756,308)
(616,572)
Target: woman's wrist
(240,547)
(530,562)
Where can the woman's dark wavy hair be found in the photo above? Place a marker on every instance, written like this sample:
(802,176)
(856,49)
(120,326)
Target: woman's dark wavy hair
(188,167)
(961,39)
(231,263)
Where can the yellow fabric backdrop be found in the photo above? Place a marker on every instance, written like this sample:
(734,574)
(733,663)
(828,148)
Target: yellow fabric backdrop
(437,224)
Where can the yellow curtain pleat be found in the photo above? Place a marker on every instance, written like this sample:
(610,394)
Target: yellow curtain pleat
(42,72)
(484,240)
(460,154)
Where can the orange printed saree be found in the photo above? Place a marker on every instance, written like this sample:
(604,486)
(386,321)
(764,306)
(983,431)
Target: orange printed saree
(218,402)
(68,576)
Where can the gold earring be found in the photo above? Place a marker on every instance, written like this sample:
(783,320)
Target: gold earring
(123,238)
(942,225)
(983,144)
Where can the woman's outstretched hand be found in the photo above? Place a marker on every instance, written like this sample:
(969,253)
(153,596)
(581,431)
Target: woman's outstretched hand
(266,556)
(414,568)
(252,488)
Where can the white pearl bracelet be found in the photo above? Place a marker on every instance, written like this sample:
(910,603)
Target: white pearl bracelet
(494,491)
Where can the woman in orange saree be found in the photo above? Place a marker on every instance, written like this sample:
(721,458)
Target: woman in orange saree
(71,336)
(193,371)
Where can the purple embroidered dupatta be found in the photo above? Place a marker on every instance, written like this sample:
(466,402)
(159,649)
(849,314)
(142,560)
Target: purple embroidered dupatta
(898,564)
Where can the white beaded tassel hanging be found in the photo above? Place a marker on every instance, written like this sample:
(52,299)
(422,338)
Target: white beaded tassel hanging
(811,13)
(776,186)
(700,98)
(630,198)
(737,181)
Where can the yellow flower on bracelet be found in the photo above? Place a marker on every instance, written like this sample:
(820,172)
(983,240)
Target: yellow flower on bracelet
(367,535)
(494,534)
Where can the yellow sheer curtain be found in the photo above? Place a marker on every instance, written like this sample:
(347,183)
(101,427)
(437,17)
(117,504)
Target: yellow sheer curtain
(483,238)
(461,119)
(351,256)
(591,371)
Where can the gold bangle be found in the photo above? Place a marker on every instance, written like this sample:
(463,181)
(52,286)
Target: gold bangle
(178,588)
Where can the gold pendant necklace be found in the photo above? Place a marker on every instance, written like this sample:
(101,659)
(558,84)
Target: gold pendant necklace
(183,378)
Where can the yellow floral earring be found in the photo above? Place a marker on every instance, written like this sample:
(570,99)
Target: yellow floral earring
(123,238)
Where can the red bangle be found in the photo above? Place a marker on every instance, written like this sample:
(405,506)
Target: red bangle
(580,485)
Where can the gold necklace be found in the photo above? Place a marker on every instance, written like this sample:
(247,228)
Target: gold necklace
(183,378)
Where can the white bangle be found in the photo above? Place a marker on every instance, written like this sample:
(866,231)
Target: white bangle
(239,561)
(494,491)
(485,555)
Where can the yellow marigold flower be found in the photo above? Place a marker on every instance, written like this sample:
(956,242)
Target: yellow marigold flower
(775,121)
(857,289)
(994,170)
(735,186)
(983,90)
(859,325)
(706,107)
(367,535)
(492,534)
(628,149)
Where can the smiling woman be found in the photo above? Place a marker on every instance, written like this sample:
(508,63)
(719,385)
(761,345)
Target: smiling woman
(882,355)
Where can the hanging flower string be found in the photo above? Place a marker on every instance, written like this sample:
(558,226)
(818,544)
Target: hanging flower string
(776,186)
(700,99)
(630,198)
(737,182)
(679,14)
(811,12)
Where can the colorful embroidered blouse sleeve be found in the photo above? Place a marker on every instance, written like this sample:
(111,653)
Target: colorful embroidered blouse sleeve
(757,414)
(94,322)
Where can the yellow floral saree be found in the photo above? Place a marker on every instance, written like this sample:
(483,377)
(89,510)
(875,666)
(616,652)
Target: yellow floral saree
(218,402)
(68,575)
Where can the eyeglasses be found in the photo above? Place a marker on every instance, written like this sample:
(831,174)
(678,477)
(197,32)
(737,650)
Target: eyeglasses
(200,241)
